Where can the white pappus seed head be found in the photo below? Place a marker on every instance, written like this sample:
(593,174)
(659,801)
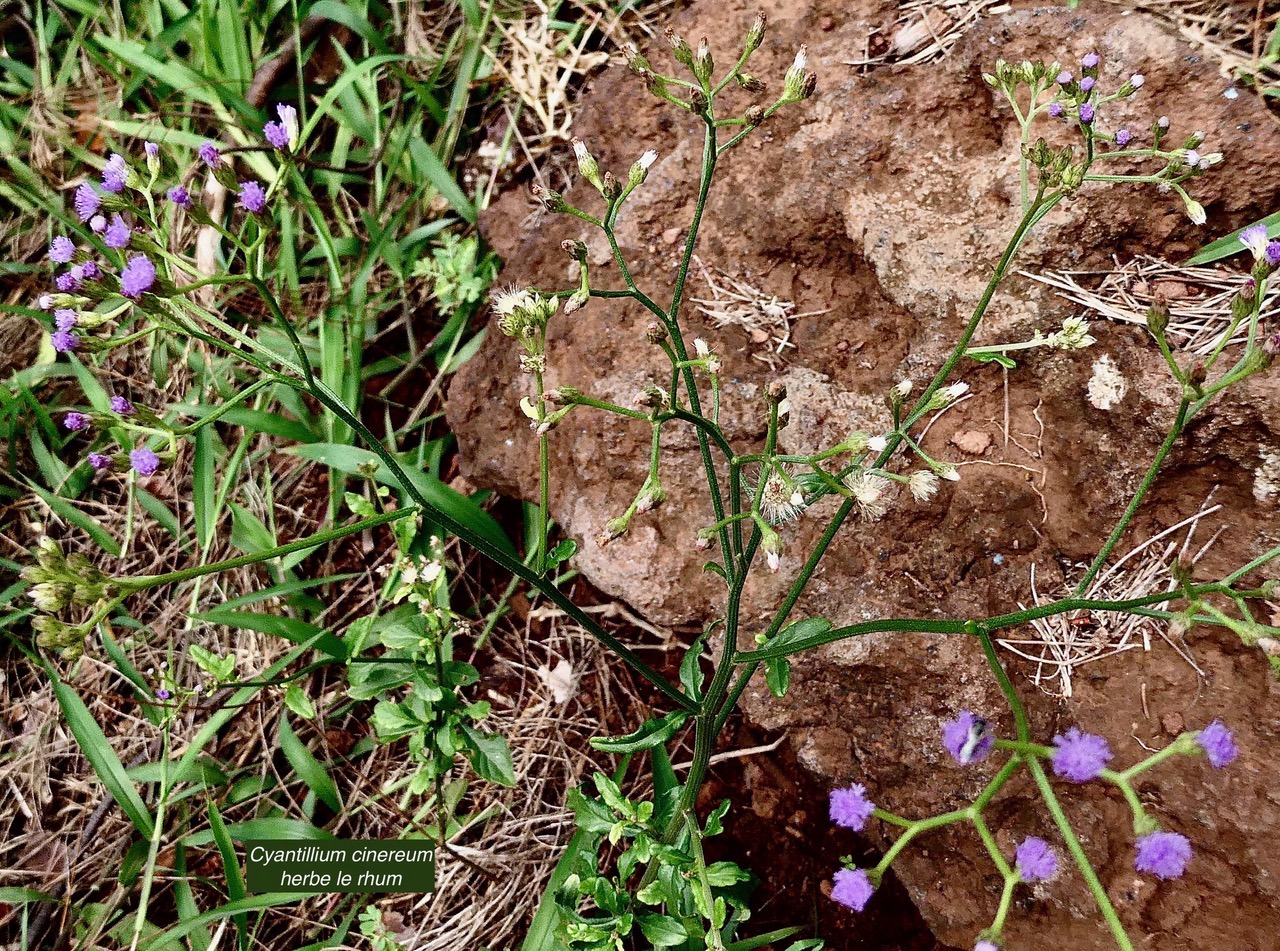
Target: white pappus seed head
(647,159)
(877,444)
(923,484)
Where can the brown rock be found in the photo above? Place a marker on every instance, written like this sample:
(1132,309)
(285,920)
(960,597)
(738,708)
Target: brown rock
(885,202)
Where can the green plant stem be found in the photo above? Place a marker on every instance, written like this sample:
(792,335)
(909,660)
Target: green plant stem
(153,850)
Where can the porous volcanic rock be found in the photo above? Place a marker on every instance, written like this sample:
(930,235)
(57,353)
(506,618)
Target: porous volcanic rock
(883,203)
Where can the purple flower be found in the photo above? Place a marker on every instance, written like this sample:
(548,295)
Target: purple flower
(178,195)
(1064,78)
(252,197)
(209,154)
(1137,80)
(163,694)
(1087,84)
(1218,744)
(853,888)
(121,406)
(98,224)
(115,173)
(1080,757)
(1090,61)
(850,808)
(277,135)
(90,271)
(75,421)
(144,461)
(99,461)
(117,234)
(986,946)
(1273,253)
(1086,112)
(1123,137)
(1055,110)
(64,341)
(1036,860)
(1255,239)
(87,202)
(44,301)
(67,283)
(152,150)
(65,318)
(1163,854)
(137,277)
(61,250)
(967,738)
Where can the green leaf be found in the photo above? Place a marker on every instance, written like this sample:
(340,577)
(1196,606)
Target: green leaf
(64,509)
(999,358)
(490,756)
(800,632)
(296,699)
(230,869)
(309,769)
(662,931)
(650,733)
(777,674)
(97,750)
(202,486)
(1230,244)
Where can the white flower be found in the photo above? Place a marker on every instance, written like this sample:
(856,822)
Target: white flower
(510,299)
(802,59)
(923,484)
(580,150)
(1195,211)
(957,390)
(701,348)
(877,444)
(949,472)
(774,560)
(1136,80)
(1192,158)
(647,159)
(780,501)
(868,491)
(903,388)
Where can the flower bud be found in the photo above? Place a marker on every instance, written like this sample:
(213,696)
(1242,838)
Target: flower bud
(577,300)
(1158,318)
(549,199)
(793,82)
(609,187)
(640,170)
(755,34)
(776,391)
(703,65)
(650,498)
(655,332)
(563,395)
(754,115)
(635,62)
(651,397)
(575,249)
(587,166)
(679,48)
(750,83)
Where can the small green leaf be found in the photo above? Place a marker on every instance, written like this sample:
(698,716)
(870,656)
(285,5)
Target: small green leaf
(490,756)
(651,733)
(662,931)
(296,699)
(777,674)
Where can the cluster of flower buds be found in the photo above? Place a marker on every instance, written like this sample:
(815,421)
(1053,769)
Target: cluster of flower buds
(142,459)
(1075,756)
(58,582)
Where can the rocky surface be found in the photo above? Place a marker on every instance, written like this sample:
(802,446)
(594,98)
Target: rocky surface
(883,204)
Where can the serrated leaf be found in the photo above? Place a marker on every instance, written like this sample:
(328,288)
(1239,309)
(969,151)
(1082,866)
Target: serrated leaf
(490,756)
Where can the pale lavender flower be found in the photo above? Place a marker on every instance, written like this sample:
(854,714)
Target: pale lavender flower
(64,341)
(121,406)
(138,277)
(98,224)
(1273,253)
(1064,78)
(163,694)
(1091,61)
(152,149)
(1086,112)
(1137,80)
(252,197)
(65,318)
(1163,123)
(1218,743)
(61,250)
(179,196)
(986,946)
(115,173)
(1036,859)
(850,808)
(87,202)
(1163,854)
(277,135)
(1123,137)
(90,271)
(99,462)
(1255,239)
(1080,757)
(67,283)
(117,234)
(144,461)
(1087,84)
(853,888)
(44,301)
(1055,110)
(967,738)
(209,154)
(75,421)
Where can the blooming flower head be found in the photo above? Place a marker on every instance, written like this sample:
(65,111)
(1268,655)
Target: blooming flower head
(967,738)
(121,406)
(61,250)
(1080,757)
(1087,112)
(163,694)
(138,277)
(289,122)
(1064,78)
(276,136)
(67,283)
(115,173)
(1090,61)
(1218,744)
(986,946)
(1036,859)
(144,461)
(178,195)
(853,888)
(923,484)
(65,318)
(1163,854)
(117,234)
(252,197)
(90,271)
(850,808)
(98,224)
(1123,137)
(209,154)
(1137,80)
(1254,238)
(75,421)
(1087,84)
(1273,253)
(1055,110)
(99,461)
(87,202)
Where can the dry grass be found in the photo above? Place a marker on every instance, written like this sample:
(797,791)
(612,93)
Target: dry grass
(1063,643)
(1199,298)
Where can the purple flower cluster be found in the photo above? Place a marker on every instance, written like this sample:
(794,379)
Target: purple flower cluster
(1163,854)
(115,174)
(852,888)
(967,738)
(62,250)
(1218,743)
(252,197)
(87,202)
(1036,860)
(76,422)
(1080,757)
(117,234)
(144,461)
(138,277)
(209,154)
(850,808)
(280,135)
(121,406)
